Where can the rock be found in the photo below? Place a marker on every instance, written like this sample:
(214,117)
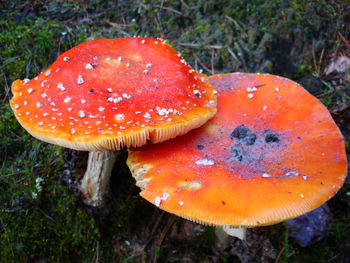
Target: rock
(311,227)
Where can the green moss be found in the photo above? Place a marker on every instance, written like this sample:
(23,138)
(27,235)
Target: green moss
(37,222)
(30,45)
(50,227)
(206,237)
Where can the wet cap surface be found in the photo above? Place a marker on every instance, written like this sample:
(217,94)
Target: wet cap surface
(272,152)
(109,93)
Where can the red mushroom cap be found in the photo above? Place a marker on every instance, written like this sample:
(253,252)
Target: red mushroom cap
(110,93)
(272,152)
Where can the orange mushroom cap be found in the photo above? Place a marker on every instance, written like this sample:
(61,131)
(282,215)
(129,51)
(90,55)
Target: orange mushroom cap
(109,93)
(272,152)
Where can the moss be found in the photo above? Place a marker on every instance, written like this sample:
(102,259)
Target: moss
(206,237)
(29,47)
(38,221)
(50,227)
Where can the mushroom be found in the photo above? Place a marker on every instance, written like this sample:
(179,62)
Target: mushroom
(105,94)
(272,152)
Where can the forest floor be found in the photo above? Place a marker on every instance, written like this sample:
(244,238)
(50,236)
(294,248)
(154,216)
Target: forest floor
(45,221)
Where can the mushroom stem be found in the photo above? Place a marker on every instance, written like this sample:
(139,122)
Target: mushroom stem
(223,235)
(95,183)
(239,232)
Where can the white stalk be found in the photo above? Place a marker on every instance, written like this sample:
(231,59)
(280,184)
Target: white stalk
(239,232)
(95,183)
(223,235)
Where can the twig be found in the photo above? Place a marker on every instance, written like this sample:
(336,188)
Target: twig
(320,60)
(9,175)
(46,215)
(7,61)
(5,159)
(233,55)
(7,237)
(97,251)
(171,221)
(3,164)
(184,3)
(154,228)
(347,43)
(159,26)
(241,56)
(18,138)
(169,9)
(280,254)
(332,258)
(317,65)
(94,257)
(201,63)
(26,179)
(324,93)
(162,235)
(118,27)
(43,172)
(7,89)
(237,25)
(28,67)
(212,61)
(200,45)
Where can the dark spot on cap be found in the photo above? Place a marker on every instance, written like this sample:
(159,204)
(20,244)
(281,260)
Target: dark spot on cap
(200,147)
(272,138)
(299,138)
(91,91)
(244,134)
(236,153)
(223,202)
(240,132)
